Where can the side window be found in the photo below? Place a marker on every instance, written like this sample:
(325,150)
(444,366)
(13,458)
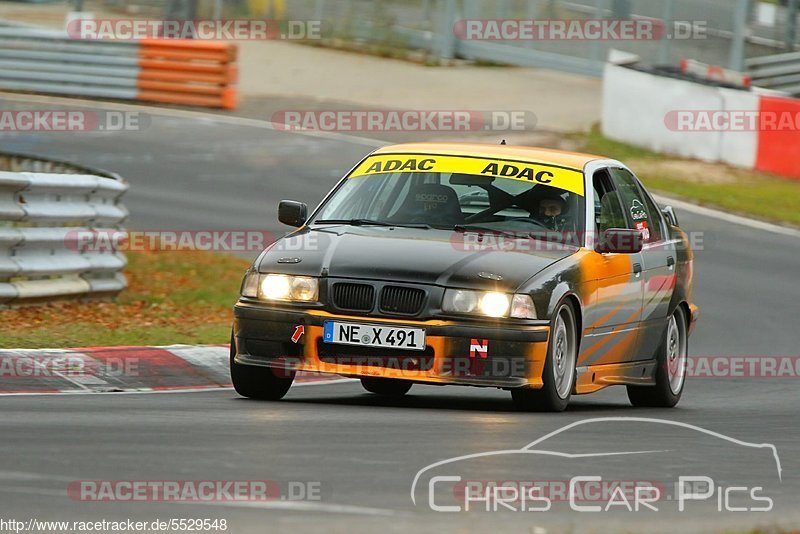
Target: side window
(657,229)
(608,210)
(635,206)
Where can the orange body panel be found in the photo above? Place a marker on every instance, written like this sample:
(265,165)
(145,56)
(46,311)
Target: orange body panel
(601,376)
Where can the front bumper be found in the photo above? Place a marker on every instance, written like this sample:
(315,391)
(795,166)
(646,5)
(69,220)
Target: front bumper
(514,355)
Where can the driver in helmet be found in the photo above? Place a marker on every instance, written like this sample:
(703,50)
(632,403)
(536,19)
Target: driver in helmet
(550,209)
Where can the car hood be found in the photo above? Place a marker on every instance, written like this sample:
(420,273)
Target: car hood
(437,257)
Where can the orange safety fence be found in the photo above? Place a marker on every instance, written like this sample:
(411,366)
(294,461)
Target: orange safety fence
(195,73)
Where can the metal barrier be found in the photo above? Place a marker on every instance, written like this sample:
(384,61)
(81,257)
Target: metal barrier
(780,72)
(195,73)
(45,205)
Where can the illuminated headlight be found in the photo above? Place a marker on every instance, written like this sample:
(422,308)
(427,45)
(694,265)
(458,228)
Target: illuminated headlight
(276,287)
(494,304)
(280,287)
(489,304)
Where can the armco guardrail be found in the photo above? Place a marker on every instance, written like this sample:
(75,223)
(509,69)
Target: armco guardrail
(780,72)
(44,206)
(195,73)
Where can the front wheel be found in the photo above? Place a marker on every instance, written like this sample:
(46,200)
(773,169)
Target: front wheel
(261,383)
(671,362)
(559,368)
(389,387)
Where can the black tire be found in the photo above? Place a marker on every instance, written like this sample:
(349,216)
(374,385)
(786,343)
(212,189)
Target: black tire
(669,387)
(261,383)
(554,396)
(389,387)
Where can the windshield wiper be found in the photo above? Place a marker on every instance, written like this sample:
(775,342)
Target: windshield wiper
(371,222)
(462,228)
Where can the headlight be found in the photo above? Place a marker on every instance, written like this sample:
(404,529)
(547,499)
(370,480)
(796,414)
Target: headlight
(304,288)
(522,307)
(494,304)
(489,304)
(460,301)
(276,287)
(250,284)
(280,287)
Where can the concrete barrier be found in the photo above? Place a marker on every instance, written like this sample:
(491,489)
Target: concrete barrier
(751,129)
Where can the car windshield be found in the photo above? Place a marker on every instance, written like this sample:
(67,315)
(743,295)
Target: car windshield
(428,191)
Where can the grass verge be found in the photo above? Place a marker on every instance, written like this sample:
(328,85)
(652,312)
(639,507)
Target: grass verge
(757,194)
(173,297)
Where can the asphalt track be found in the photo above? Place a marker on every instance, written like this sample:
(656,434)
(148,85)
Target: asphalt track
(198,172)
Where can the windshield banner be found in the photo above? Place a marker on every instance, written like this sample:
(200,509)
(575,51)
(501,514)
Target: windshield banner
(524,171)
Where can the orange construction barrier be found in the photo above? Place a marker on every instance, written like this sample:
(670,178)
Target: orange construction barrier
(190,72)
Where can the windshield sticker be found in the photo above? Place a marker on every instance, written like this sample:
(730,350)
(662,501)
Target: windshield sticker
(537,173)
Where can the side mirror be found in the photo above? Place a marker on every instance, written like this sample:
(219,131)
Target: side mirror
(669,213)
(619,241)
(292,213)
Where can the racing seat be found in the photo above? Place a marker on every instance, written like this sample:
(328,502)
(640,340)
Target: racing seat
(430,203)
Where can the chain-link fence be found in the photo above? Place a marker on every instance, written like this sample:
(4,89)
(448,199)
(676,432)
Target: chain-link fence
(716,32)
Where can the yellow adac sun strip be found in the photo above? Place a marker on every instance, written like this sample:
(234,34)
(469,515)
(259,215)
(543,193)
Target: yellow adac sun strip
(538,173)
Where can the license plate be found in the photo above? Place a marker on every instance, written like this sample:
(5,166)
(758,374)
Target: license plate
(369,335)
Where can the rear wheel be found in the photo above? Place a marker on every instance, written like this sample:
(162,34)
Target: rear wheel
(389,387)
(671,367)
(260,383)
(559,368)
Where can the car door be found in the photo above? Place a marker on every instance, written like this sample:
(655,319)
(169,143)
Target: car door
(658,255)
(612,321)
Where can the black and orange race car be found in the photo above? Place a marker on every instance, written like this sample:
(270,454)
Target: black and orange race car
(542,272)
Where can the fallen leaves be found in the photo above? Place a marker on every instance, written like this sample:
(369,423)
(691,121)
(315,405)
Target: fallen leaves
(185,292)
